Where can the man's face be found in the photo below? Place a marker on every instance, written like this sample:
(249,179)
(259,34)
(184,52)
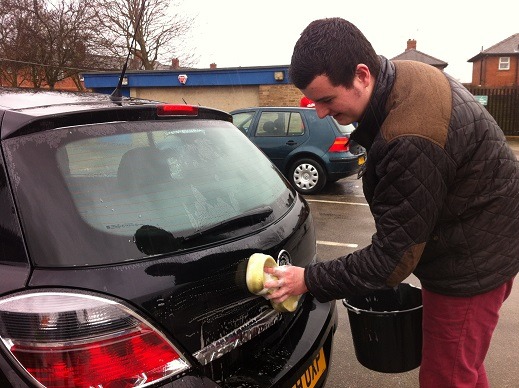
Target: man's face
(346,105)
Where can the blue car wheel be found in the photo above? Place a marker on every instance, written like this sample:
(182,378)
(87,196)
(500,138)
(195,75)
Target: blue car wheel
(307,176)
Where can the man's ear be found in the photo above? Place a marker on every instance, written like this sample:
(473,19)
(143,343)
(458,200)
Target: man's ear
(363,74)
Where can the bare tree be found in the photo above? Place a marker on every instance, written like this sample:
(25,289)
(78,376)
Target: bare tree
(44,41)
(15,43)
(160,34)
(64,30)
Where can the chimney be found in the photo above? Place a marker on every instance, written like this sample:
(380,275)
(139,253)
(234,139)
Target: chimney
(212,66)
(411,44)
(175,64)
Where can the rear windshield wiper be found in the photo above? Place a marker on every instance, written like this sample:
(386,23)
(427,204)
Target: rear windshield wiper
(250,217)
(152,240)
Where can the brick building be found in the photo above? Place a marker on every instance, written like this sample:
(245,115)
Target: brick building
(24,80)
(497,66)
(412,54)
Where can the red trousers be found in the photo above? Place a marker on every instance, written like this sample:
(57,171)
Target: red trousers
(456,337)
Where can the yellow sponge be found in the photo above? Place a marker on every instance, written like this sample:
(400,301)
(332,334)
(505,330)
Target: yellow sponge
(256,277)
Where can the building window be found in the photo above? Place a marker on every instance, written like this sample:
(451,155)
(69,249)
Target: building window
(504,63)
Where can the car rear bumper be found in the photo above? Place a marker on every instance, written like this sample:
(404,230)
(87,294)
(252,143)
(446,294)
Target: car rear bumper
(303,354)
(313,371)
(339,168)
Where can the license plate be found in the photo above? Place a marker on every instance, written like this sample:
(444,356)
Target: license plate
(361,160)
(314,372)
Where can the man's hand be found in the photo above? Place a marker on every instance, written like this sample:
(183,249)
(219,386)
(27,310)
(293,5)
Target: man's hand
(290,281)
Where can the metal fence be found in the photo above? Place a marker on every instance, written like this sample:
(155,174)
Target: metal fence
(502,104)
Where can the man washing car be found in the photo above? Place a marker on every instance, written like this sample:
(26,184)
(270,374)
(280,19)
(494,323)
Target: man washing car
(442,185)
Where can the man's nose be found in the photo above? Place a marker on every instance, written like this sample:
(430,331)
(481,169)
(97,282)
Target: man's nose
(321,111)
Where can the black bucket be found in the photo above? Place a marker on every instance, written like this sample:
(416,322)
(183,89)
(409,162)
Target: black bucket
(386,327)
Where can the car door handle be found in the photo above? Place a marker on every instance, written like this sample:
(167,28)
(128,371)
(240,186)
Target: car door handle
(291,142)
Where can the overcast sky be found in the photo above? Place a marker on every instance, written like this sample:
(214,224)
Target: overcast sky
(233,33)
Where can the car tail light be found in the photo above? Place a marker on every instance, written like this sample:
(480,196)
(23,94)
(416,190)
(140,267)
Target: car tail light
(341,144)
(177,110)
(76,340)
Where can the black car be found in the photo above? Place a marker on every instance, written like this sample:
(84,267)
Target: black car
(308,150)
(125,231)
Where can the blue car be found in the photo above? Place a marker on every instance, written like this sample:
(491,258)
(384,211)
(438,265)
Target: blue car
(308,150)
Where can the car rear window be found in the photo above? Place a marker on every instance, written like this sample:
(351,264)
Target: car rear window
(87,193)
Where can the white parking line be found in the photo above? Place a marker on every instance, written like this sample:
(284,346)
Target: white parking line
(332,243)
(336,244)
(337,202)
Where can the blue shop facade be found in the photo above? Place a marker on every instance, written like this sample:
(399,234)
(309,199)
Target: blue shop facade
(222,88)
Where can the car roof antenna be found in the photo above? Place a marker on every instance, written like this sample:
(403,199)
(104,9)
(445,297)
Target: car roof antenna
(117,95)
